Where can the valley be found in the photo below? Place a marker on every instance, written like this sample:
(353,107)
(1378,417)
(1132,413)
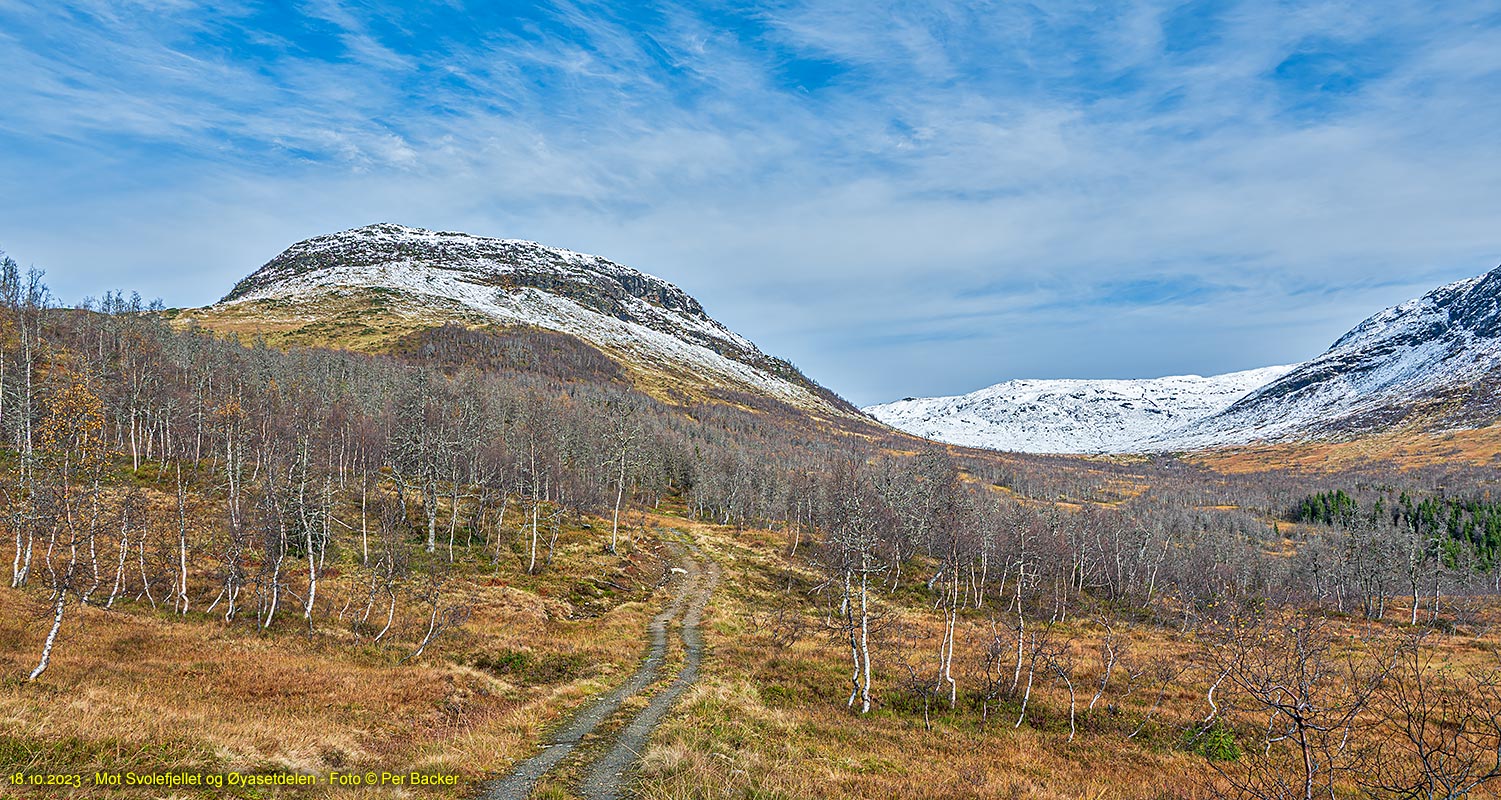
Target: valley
(327,528)
(796,400)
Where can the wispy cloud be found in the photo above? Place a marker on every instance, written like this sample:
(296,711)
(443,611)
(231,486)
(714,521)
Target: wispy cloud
(904,198)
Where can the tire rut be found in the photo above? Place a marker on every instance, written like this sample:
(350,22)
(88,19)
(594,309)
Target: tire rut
(688,589)
(603,780)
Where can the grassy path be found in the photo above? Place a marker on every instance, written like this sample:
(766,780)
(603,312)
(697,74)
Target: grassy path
(690,584)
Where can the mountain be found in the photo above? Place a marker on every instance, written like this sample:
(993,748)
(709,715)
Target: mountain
(1432,362)
(340,285)
(1071,416)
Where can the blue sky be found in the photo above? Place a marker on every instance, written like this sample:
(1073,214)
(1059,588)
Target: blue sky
(904,198)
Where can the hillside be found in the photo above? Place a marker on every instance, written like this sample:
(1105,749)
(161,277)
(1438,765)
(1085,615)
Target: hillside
(1428,365)
(485,560)
(367,286)
(1431,362)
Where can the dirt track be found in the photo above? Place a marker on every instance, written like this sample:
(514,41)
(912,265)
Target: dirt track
(690,589)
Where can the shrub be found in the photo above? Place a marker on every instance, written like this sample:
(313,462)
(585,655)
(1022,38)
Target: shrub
(1216,743)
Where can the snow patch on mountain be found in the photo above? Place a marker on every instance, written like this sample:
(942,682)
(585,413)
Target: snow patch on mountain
(1072,416)
(621,310)
(1434,361)
(1446,343)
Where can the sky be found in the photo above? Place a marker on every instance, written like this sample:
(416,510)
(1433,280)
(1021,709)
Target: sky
(903,198)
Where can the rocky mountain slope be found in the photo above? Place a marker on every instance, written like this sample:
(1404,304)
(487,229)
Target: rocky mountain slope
(1071,416)
(1432,362)
(648,324)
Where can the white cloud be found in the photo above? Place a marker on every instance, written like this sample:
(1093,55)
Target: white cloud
(917,225)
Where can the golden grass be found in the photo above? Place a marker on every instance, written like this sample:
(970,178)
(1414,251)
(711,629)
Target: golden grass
(1405,448)
(374,321)
(365,321)
(768,720)
(144,691)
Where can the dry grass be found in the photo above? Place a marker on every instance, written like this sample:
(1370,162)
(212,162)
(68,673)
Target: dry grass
(365,321)
(1404,448)
(375,320)
(137,690)
(143,691)
(769,719)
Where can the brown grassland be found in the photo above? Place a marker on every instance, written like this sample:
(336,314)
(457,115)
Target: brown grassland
(1405,447)
(375,321)
(143,690)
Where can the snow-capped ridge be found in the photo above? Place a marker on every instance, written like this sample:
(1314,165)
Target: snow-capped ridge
(1433,361)
(1436,355)
(624,311)
(1071,415)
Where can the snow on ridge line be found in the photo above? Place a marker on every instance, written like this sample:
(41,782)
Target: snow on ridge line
(484,257)
(1441,347)
(1073,415)
(1445,340)
(450,284)
(395,232)
(535,307)
(1403,315)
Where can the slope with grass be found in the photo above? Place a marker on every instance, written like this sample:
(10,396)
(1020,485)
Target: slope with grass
(615,750)
(352,285)
(145,690)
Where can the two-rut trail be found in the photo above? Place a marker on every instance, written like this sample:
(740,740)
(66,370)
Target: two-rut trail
(602,778)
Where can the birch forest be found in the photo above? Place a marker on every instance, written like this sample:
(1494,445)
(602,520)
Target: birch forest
(1281,633)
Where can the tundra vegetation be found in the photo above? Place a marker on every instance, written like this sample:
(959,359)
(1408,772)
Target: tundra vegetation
(230,557)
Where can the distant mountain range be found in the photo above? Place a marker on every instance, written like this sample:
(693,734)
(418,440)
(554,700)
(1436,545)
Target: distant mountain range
(1431,362)
(1071,416)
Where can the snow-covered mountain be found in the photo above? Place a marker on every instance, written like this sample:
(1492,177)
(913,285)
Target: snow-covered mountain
(640,319)
(1071,416)
(1434,361)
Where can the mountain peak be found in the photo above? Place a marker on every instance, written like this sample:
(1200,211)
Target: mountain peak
(1432,359)
(378,247)
(444,275)
(1472,305)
